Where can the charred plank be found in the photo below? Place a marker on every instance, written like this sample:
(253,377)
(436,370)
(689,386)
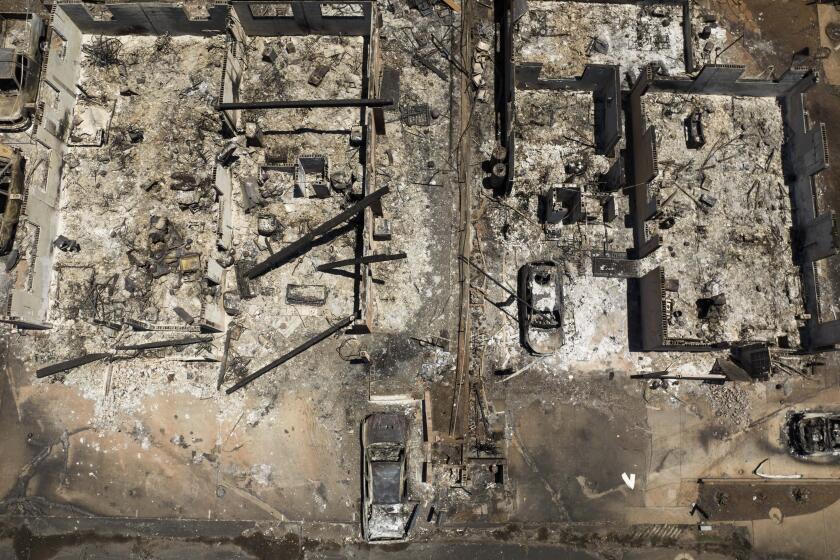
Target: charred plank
(70,364)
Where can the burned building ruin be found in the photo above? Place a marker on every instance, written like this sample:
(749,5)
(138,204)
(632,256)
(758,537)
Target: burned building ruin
(295,278)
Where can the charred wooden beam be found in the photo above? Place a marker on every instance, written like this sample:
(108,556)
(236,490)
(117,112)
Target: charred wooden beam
(301,244)
(708,378)
(292,353)
(164,343)
(70,364)
(367,259)
(351,275)
(304,104)
(225,353)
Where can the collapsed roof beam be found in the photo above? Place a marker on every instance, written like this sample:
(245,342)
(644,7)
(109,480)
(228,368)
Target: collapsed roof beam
(292,353)
(304,104)
(296,247)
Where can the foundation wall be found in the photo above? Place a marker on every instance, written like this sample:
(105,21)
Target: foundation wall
(608,112)
(602,80)
(307,18)
(712,80)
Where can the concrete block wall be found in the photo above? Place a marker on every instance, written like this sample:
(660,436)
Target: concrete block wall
(727,79)
(305,17)
(29,305)
(651,298)
(147,18)
(505,94)
(604,83)
(232,74)
(805,154)
(643,168)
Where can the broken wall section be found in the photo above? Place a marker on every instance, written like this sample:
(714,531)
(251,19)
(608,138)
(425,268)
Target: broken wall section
(505,94)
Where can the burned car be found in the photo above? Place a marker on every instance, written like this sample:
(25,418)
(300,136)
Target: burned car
(11,196)
(540,293)
(813,434)
(386,511)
